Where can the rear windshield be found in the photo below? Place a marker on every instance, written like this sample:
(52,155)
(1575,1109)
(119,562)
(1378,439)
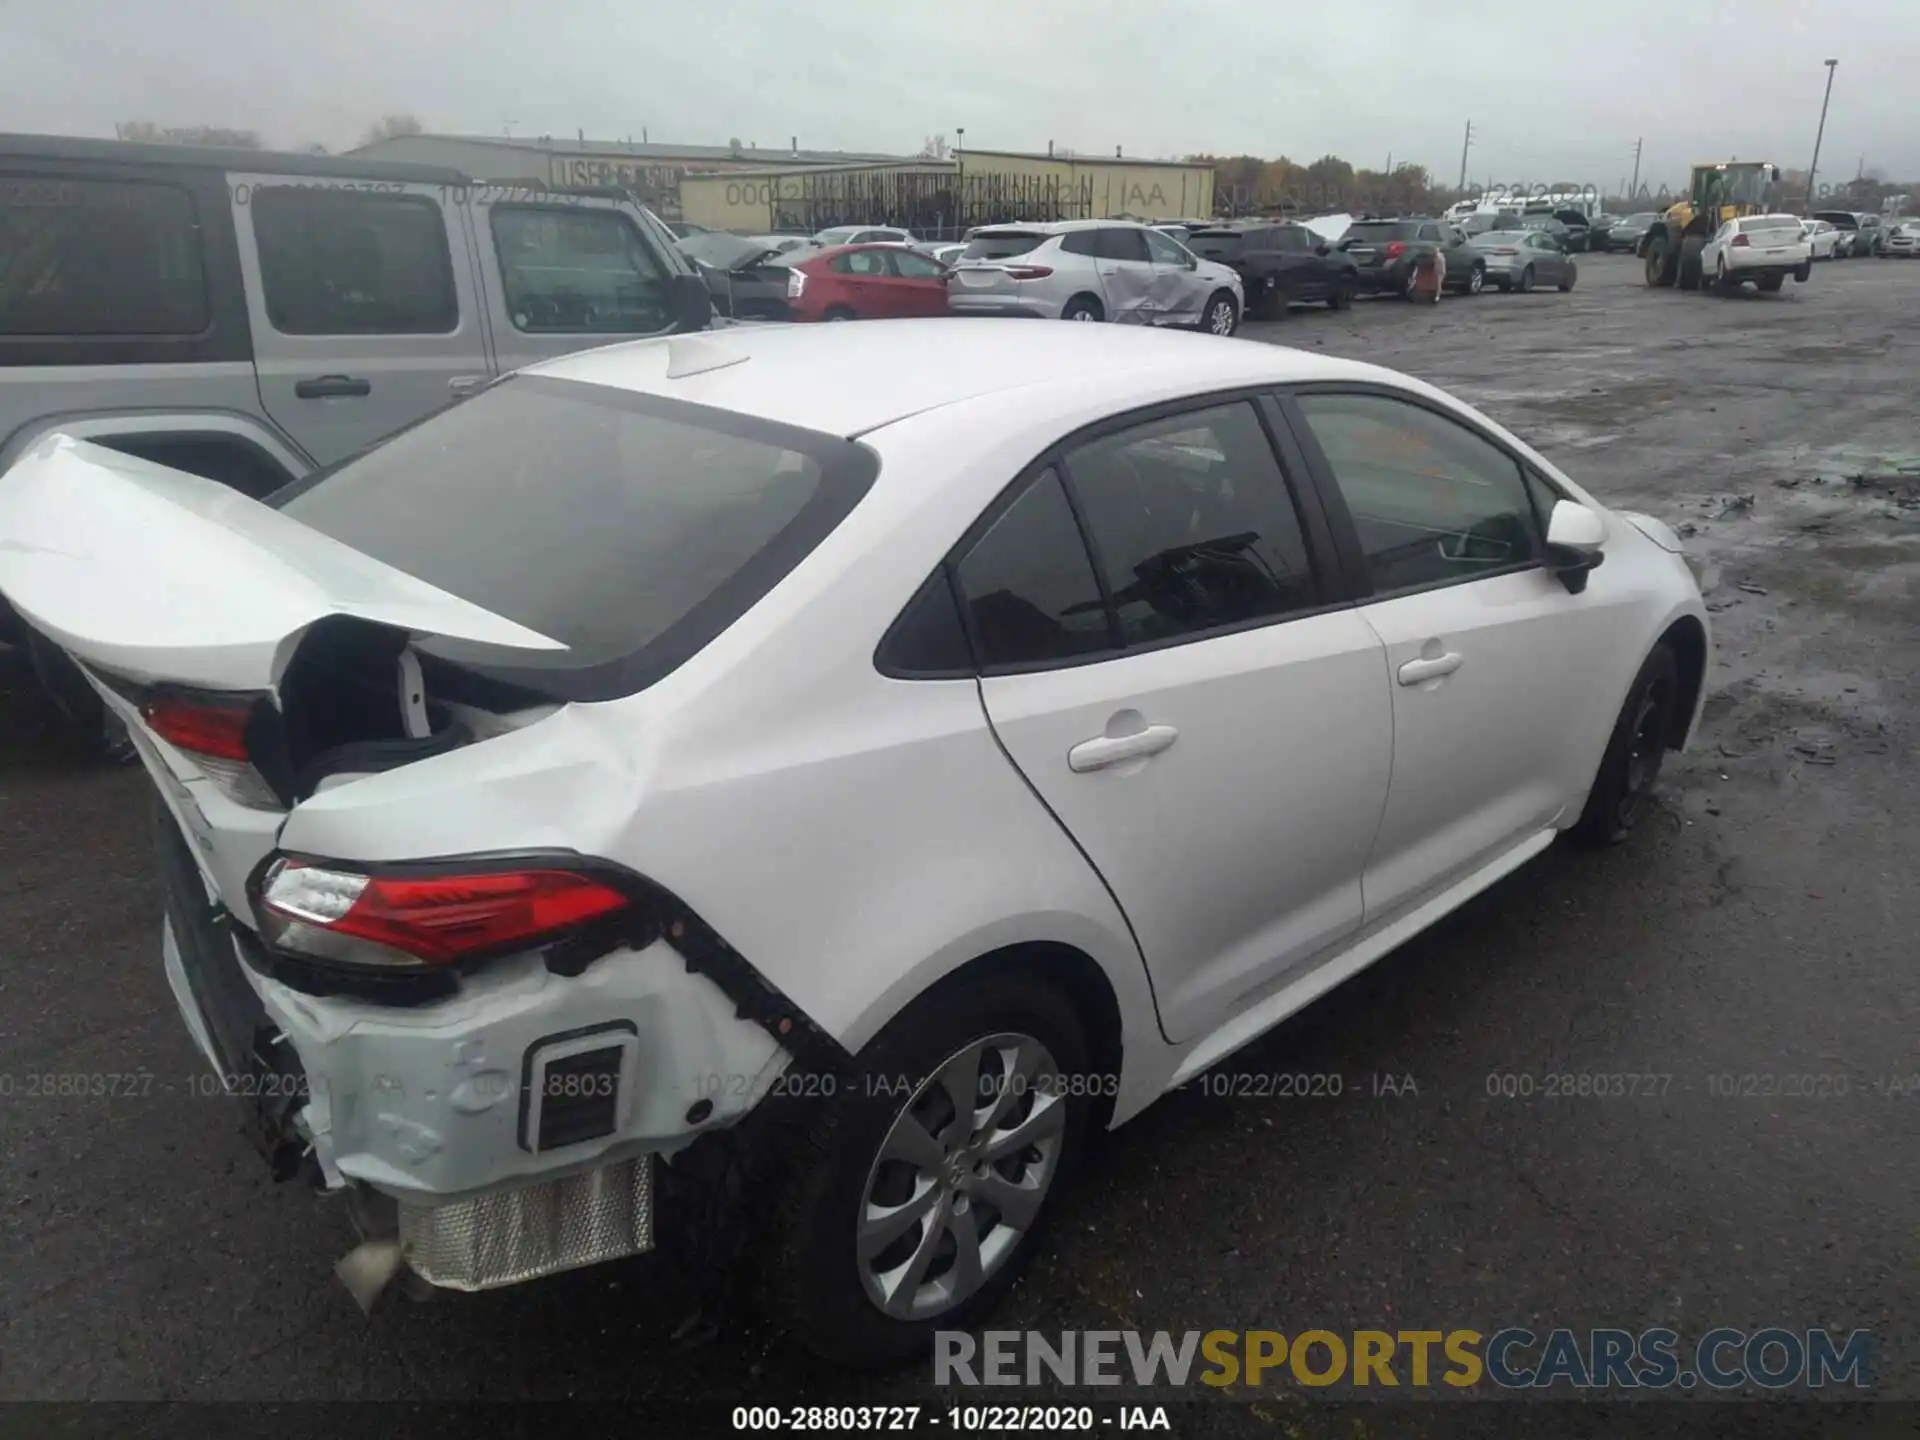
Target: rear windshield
(1371,230)
(1000,245)
(631,528)
(1759,224)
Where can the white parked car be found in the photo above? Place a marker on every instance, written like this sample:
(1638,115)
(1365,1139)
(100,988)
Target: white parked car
(1823,238)
(1903,237)
(1765,249)
(864,759)
(1092,270)
(863,235)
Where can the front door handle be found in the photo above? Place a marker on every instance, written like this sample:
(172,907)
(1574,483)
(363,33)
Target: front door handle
(1415,672)
(325,387)
(1105,750)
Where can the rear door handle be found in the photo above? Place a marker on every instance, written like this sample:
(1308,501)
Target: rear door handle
(1105,750)
(325,387)
(1415,672)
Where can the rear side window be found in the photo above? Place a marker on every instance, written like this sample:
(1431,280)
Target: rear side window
(1081,242)
(346,262)
(1193,523)
(1120,242)
(630,528)
(574,270)
(99,257)
(1028,586)
(1000,245)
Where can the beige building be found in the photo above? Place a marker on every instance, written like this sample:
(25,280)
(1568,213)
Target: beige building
(973,187)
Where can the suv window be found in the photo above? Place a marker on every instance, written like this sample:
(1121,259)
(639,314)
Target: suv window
(99,257)
(1164,250)
(1001,245)
(1290,239)
(578,270)
(630,528)
(1120,242)
(1081,242)
(1193,523)
(1028,585)
(1431,232)
(349,262)
(1432,501)
(1373,232)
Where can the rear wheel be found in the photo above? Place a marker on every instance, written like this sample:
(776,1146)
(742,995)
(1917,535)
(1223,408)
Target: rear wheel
(1476,279)
(1631,765)
(920,1191)
(1341,296)
(839,312)
(1082,307)
(1526,280)
(1222,316)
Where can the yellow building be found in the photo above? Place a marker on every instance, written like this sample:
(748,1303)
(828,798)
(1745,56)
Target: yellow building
(972,188)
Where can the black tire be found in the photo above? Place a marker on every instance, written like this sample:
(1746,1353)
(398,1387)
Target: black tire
(1082,307)
(1272,304)
(1341,296)
(1567,280)
(1770,284)
(812,1284)
(1526,281)
(839,312)
(1691,270)
(1630,768)
(1221,316)
(1661,269)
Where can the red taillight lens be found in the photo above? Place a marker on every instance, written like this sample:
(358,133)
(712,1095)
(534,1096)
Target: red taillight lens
(1396,250)
(393,921)
(205,727)
(1029,272)
(1741,240)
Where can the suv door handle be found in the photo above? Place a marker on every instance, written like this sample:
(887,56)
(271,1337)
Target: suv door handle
(1105,750)
(325,387)
(1415,672)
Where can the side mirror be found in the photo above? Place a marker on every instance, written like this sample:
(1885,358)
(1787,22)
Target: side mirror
(689,302)
(1323,248)
(1574,537)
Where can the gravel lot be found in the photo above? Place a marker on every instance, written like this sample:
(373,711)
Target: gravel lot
(1761,925)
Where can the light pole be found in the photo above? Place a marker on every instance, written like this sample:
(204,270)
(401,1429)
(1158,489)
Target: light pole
(1814,164)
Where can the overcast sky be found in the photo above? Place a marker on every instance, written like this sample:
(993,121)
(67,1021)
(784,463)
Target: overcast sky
(1557,89)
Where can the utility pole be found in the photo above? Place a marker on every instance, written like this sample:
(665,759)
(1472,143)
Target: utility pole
(1465,145)
(1634,188)
(1818,135)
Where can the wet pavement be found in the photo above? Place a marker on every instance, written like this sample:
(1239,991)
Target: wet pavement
(1757,937)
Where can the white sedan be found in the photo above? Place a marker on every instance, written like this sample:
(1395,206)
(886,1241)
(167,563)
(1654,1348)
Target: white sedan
(900,749)
(1764,249)
(1823,238)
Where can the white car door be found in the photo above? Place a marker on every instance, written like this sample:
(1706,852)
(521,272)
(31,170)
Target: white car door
(1496,668)
(363,304)
(1210,729)
(1710,252)
(1179,295)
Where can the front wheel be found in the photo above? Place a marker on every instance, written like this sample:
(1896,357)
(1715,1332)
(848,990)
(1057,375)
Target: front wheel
(923,1186)
(1476,279)
(1631,765)
(839,312)
(1082,307)
(1526,280)
(1660,270)
(1222,316)
(1567,280)
(1341,296)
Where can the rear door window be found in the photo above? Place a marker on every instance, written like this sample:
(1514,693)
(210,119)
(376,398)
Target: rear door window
(630,528)
(1027,585)
(99,257)
(577,270)
(1121,242)
(349,262)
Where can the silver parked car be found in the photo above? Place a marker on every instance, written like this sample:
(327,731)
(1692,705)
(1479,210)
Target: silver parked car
(1525,259)
(1093,270)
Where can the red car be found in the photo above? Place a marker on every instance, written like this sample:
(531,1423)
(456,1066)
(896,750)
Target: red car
(866,282)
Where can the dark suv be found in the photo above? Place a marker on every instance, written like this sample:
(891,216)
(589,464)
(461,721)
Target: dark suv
(1384,253)
(1279,264)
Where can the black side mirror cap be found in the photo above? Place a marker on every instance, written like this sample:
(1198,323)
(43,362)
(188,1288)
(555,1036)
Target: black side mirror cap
(689,302)
(1573,566)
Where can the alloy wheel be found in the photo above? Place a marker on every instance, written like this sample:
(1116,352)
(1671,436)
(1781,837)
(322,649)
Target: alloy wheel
(1220,317)
(1476,280)
(961,1176)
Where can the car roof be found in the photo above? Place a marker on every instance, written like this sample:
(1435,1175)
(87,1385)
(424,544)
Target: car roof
(215,157)
(1059,227)
(850,379)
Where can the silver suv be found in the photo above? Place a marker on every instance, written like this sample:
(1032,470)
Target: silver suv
(1093,270)
(249,316)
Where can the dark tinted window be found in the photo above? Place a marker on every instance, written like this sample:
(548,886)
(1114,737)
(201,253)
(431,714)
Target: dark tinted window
(1430,232)
(1375,232)
(1291,239)
(1193,523)
(1432,501)
(1000,245)
(605,520)
(1028,585)
(99,257)
(579,271)
(346,262)
(1225,245)
(927,639)
(1081,242)
(1119,242)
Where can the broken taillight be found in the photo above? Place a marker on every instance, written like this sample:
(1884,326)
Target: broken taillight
(1395,250)
(1741,240)
(211,731)
(389,922)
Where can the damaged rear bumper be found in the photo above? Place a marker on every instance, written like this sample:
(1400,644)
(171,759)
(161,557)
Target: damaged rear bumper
(517,1129)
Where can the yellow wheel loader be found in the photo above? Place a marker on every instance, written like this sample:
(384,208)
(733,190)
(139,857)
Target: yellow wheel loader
(1716,194)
